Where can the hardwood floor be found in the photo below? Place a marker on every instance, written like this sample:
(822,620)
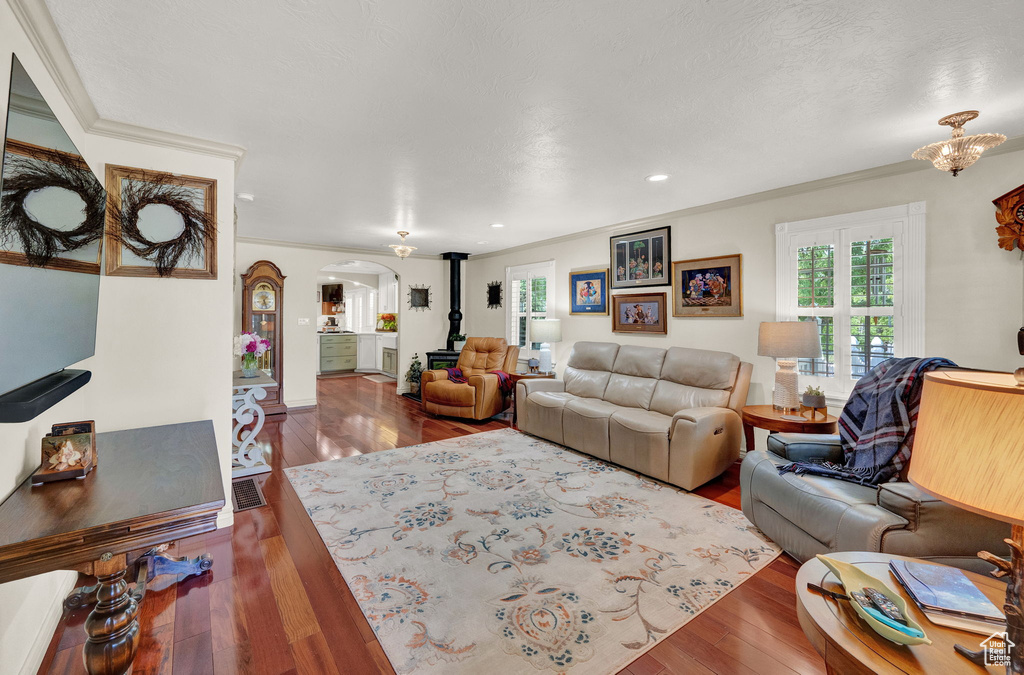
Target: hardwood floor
(275,603)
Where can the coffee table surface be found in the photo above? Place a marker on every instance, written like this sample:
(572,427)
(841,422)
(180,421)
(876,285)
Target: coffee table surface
(848,644)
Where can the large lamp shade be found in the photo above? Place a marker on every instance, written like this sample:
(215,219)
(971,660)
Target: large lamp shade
(969,445)
(789,339)
(546,330)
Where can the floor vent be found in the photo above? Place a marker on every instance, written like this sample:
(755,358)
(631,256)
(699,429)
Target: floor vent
(246,494)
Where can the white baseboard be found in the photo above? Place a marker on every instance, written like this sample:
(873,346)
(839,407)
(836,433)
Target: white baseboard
(301,403)
(226,518)
(41,643)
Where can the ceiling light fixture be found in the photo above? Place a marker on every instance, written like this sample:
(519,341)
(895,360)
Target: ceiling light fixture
(960,151)
(497,225)
(656,177)
(245,196)
(401,250)
(331,278)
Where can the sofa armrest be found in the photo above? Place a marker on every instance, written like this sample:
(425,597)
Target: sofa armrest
(531,385)
(711,420)
(432,376)
(487,394)
(807,447)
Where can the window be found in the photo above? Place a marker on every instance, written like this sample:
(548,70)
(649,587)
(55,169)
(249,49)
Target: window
(530,295)
(860,277)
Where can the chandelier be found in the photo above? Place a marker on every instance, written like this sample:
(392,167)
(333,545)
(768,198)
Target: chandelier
(401,250)
(960,151)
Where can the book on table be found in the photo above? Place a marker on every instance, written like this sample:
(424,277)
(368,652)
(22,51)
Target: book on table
(947,597)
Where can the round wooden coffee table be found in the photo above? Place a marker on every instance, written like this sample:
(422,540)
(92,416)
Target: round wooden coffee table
(848,644)
(767,417)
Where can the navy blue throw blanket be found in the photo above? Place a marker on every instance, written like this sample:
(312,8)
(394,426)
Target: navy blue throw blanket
(504,381)
(876,428)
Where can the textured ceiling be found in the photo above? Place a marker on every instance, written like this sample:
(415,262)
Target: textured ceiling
(443,116)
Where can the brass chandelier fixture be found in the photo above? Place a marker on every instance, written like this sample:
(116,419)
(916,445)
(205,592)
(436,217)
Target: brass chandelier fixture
(960,151)
(401,250)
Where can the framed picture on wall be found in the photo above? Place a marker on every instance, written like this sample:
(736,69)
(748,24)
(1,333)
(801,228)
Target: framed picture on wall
(589,291)
(639,313)
(708,286)
(641,258)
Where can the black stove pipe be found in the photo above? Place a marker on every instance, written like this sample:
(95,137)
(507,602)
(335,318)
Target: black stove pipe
(454,294)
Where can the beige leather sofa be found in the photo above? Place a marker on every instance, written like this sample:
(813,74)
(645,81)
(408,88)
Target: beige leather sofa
(669,413)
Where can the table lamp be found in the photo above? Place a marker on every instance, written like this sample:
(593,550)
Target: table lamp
(969,451)
(545,331)
(788,341)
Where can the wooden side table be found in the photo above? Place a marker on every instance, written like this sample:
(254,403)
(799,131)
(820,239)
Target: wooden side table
(767,417)
(848,644)
(515,389)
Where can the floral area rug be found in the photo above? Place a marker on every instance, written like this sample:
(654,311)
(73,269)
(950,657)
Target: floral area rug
(501,553)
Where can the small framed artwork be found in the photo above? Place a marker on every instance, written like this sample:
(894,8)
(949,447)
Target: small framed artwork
(494,295)
(160,224)
(589,289)
(419,298)
(708,286)
(641,258)
(639,313)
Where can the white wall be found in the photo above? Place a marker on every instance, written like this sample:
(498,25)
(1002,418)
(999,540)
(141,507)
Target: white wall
(974,289)
(418,332)
(162,356)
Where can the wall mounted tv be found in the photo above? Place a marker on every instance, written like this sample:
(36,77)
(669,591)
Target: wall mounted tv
(51,230)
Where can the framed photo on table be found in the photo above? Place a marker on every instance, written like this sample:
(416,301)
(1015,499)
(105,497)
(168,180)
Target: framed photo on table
(589,290)
(708,286)
(641,258)
(639,313)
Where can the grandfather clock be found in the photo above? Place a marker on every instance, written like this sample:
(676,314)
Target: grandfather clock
(262,313)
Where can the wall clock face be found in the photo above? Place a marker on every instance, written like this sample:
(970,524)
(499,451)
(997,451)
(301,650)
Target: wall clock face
(263,298)
(1020,213)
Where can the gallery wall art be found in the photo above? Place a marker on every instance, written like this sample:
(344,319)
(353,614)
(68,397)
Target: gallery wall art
(160,224)
(708,286)
(589,292)
(639,313)
(641,259)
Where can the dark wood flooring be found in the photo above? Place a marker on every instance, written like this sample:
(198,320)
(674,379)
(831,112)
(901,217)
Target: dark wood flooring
(275,602)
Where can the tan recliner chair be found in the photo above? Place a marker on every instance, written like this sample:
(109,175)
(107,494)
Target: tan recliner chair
(480,397)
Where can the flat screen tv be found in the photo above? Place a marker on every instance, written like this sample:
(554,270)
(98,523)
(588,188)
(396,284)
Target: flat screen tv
(51,231)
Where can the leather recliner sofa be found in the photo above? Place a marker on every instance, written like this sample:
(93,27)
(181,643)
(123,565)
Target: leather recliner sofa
(672,414)
(807,515)
(480,397)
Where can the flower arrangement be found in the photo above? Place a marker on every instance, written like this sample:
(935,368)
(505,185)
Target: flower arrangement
(250,347)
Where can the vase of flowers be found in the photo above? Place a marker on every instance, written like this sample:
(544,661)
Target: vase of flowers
(251,347)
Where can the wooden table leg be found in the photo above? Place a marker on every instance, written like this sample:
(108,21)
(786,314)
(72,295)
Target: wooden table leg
(748,435)
(113,625)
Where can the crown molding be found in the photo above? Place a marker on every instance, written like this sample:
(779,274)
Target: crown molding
(885,171)
(334,249)
(36,20)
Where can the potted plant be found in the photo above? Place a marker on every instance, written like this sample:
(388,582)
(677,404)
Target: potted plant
(458,341)
(251,347)
(413,376)
(813,397)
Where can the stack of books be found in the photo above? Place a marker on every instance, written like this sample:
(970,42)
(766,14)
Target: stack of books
(948,598)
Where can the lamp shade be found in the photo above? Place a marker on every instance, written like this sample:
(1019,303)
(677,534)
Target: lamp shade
(789,339)
(546,330)
(969,447)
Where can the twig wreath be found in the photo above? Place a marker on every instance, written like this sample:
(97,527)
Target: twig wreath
(24,175)
(132,190)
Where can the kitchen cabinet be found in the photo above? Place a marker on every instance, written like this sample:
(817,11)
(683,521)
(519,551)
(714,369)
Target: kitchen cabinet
(338,352)
(389,361)
(387,290)
(367,352)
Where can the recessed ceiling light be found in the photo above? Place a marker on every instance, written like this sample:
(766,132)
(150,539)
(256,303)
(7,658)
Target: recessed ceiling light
(331,278)
(245,196)
(497,225)
(481,242)
(657,177)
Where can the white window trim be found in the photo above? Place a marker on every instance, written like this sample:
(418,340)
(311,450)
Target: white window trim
(907,225)
(513,271)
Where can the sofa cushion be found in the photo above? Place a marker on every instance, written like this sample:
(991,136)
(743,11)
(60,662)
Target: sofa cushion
(586,383)
(701,368)
(593,356)
(670,397)
(638,439)
(629,391)
(446,392)
(639,361)
(544,412)
(585,425)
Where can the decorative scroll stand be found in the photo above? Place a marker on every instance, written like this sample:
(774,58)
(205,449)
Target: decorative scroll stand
(247,459)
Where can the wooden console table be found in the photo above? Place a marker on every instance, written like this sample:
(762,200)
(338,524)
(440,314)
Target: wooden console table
(151,486)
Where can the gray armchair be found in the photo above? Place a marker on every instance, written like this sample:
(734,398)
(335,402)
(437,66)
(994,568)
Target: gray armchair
(807,515)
